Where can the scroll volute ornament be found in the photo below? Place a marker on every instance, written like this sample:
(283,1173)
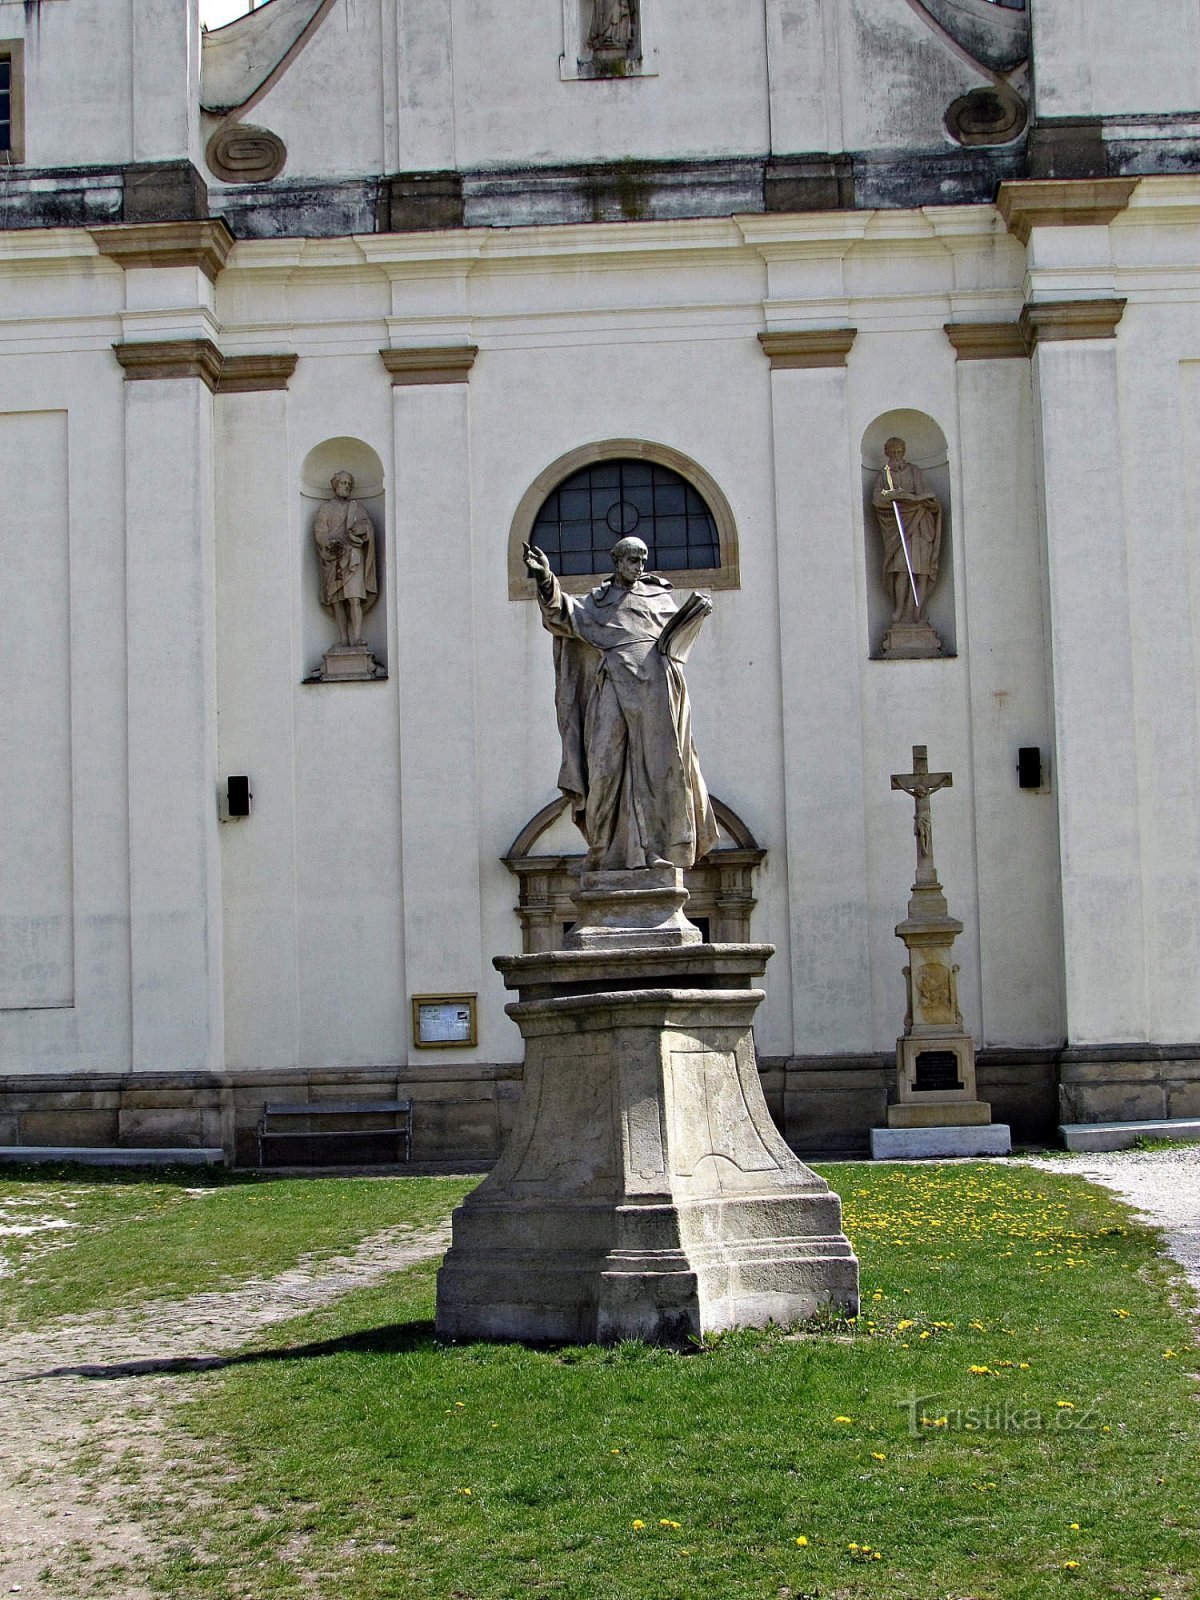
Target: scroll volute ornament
(241,153)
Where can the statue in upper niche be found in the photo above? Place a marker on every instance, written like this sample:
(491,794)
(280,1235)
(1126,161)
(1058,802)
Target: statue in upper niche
(910,520)
(345,538)
(612,27)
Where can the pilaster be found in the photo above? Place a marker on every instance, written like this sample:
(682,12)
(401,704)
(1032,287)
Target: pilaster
(436,666)
(1082,503)
(171,365)
(819,554)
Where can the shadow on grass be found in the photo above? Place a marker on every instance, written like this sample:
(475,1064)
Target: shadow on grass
(394,1339)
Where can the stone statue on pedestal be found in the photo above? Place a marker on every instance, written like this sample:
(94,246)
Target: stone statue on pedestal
(345,537)
(910,523)
(644,1192)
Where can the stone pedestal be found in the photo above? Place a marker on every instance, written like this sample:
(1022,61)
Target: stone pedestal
(348,663)
(644,1192)
(631,909)
(911,641)
(937,1110)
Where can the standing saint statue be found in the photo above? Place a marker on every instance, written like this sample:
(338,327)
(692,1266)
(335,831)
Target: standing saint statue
(629,766)
(910,520)
(345,538)
(612,26)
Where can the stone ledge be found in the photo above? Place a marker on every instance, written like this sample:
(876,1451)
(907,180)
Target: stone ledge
(171,358)
(1028,203)
(108,1156)
(432,364)
(1102,1136)
(1048,320)
(166,244)
(988,341)
(255,374)
(812,347)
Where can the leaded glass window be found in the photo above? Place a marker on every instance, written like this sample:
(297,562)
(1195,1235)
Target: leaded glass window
(588,512)
(5,102)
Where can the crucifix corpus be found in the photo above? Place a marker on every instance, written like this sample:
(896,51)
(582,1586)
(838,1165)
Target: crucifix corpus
(921,783)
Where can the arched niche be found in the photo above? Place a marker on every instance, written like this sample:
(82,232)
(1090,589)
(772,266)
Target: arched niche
(927,449)
(343,454)
(545,858)
(724,576)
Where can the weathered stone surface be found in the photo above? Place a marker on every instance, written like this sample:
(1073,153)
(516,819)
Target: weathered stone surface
(644,1192)
(964,1113)
(915,1144)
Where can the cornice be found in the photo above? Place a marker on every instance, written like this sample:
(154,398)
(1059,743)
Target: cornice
(1029,203)
(254,374)
(988,341)
(430,364)
(171,358)
(1070,319)
(166,244)
(810,347)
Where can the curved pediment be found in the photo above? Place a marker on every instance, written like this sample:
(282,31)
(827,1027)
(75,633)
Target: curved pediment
(995,35)
(238,60)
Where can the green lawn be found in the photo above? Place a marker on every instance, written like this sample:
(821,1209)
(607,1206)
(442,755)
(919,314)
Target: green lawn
(103,1237)
(1014,1416)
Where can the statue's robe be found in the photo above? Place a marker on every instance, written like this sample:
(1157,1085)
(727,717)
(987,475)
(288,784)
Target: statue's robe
(347,573)
(612,25)
(922,526)
(629,766)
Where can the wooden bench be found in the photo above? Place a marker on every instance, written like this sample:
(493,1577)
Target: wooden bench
(311,1120)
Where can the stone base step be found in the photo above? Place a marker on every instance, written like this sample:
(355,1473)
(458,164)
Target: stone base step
(1102,1136)
(934,1144)
(109,1155)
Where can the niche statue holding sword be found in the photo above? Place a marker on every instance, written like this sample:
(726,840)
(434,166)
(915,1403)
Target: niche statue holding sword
(910,520)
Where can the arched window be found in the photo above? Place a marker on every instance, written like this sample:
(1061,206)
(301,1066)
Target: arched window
(578,508)
(583,518)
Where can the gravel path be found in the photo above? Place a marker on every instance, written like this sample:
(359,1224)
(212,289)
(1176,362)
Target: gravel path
(1164,1185)
(70,1443)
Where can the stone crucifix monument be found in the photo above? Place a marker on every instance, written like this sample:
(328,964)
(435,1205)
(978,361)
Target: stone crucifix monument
(644,1192)
(937,1110)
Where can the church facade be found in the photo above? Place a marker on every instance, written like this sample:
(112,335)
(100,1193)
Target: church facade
(279,749)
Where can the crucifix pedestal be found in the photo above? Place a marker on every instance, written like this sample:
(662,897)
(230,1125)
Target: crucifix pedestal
(937,1109)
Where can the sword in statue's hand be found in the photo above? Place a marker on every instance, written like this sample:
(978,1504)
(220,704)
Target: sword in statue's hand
(903,536)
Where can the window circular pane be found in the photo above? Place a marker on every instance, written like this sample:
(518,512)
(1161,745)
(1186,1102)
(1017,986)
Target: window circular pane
(587,513)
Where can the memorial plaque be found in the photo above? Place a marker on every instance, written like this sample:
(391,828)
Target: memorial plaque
(937,1069)
(443,1021)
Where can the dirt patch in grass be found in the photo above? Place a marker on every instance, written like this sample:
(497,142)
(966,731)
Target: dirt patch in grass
(83,1405)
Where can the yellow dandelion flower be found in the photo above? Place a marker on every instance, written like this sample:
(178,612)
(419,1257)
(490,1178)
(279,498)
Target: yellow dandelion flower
(614,1451)
(843,1419)
(1065,1405)
(1070,1566)
(802,1540)
(875,1556)
(979,1370)
(1074,1527)
(1168,1355)
(638,1523)
(878,1455)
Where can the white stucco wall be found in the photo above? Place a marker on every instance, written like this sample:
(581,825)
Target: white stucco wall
(1116,56)
(108,81)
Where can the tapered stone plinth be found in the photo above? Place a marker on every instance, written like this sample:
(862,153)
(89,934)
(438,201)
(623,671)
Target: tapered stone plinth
(644,1192)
